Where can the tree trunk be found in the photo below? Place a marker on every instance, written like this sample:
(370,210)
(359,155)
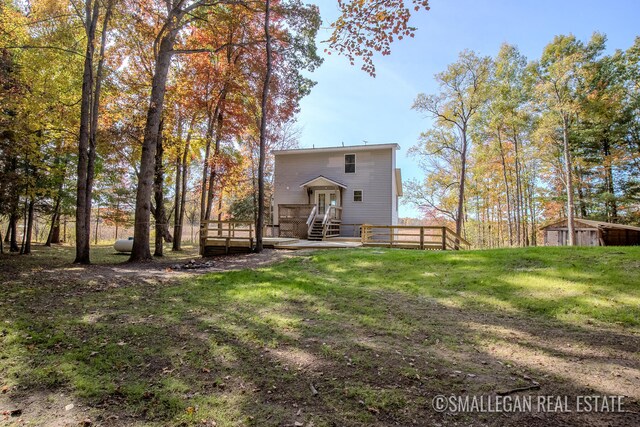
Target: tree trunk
(141,250)
(263,129)
(13,231)
(83,204)
(525,210)
(611,204)
(54,231)
(160,215)
(176,206)
(220,109)
(182,200)
(463,172)
(215,122)
(518,206)
(54,221)
(55,237)
(506,186)
(183,192)
(532,212)
(205,170)
(568,179)
(582,205)
(177,235)
(28,227)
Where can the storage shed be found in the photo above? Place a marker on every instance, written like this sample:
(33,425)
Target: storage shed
(591,233)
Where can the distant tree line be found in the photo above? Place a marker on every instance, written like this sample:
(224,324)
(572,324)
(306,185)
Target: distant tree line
(517,142)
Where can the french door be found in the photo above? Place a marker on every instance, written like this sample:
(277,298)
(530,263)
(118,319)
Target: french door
(324,199)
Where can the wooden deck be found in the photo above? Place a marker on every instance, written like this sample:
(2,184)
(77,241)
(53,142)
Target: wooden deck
(218,246)
(315,244)
(226,237)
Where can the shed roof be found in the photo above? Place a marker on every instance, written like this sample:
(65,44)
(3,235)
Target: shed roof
(594,224)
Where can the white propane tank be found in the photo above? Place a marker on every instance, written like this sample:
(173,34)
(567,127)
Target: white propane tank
(124,245)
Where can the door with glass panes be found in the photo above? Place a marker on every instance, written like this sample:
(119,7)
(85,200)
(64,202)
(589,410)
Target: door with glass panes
(324,199)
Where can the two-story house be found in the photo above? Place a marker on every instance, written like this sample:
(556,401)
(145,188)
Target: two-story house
(325,192)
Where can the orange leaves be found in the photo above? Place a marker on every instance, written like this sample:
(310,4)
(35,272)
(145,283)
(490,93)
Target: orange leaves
(367,26)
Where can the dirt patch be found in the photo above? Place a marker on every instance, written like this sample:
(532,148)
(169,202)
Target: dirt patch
(158,270)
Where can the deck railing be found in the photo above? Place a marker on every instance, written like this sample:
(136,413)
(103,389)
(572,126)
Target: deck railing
(410,236)
(331,222)
(222,233)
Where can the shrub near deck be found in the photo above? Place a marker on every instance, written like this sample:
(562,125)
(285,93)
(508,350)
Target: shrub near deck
(346,337)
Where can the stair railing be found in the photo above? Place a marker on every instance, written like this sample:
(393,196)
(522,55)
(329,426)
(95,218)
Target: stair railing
(333,213)
(311,219)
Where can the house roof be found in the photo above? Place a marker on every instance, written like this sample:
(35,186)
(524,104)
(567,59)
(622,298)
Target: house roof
(347,148)
(322,181)
(594,224)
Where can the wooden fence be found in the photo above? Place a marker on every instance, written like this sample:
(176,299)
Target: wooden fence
(412,237)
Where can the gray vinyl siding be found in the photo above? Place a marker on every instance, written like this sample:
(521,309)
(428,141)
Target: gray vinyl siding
(374,176)
(394,191)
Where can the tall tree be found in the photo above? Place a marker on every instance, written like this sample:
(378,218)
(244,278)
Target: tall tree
(177,14)
(89,110)
(463,91)
(560,74)
(263,126)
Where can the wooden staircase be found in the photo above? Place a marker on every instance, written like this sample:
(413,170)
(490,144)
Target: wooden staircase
(316,230)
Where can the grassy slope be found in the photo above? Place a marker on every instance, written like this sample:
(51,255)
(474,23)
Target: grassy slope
(376,332)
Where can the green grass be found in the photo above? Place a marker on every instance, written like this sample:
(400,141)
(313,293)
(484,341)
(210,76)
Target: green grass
(377,332)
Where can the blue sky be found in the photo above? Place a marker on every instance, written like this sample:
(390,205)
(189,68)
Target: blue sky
(349,106)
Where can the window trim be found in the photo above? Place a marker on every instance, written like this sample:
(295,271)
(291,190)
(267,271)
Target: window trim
(361,196)
(354,162)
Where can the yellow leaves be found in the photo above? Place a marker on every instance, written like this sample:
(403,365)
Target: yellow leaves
(48,8)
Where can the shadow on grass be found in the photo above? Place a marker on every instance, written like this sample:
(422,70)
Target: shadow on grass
(336,338)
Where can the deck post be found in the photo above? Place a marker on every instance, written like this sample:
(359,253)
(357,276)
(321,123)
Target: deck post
(421,237)
(364,230)
(444,238)
(202,240)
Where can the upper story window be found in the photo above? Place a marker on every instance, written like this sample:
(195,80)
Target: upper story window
(349,163)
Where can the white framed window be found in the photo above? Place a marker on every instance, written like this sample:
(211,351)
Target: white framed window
(357,195)
(349,163)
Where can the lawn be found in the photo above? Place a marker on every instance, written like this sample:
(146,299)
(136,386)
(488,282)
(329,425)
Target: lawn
(329,338)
